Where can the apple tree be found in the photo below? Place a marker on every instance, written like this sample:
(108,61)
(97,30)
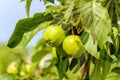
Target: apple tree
(83,36)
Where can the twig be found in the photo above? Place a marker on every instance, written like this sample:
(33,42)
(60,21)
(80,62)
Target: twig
(85,68)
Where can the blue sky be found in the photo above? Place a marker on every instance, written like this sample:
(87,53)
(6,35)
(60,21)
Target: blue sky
(10,12)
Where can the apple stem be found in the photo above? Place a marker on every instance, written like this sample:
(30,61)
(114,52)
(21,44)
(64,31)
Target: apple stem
(73,33)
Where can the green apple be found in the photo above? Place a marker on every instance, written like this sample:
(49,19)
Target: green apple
(22,73)
(73,46)
(12,68)
(54,35)
(28,68)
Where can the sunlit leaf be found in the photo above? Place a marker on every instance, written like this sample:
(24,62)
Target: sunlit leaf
(91,47)
(68,12)
(96,21)
(112,76)
(52,8)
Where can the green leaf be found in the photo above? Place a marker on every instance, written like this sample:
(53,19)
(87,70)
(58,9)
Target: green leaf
(95,75)
(46,1)
(40,54)
(114,36)
(119,1)
(41,44)
(84,37)
(116,70)
(105,69)
(28,36)
(73,63)
(113,76)
(113,7)
(22,0)
(111,49)
(28,4)
(63,1)
(52,8)
(26,25)
(96,21)
(118,53)
(68,12)
(8,77)
(104,55)
(62,67)
(91,47)
(77,67)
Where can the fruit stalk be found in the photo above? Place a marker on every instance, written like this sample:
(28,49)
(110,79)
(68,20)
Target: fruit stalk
(73,33)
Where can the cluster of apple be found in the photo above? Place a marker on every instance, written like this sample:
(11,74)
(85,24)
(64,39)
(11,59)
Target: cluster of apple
(55,36)
(13,69)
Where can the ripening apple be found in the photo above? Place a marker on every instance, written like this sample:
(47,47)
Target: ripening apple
(22,73)
(54,35)
(28,68)
(73,46)
(12,68)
